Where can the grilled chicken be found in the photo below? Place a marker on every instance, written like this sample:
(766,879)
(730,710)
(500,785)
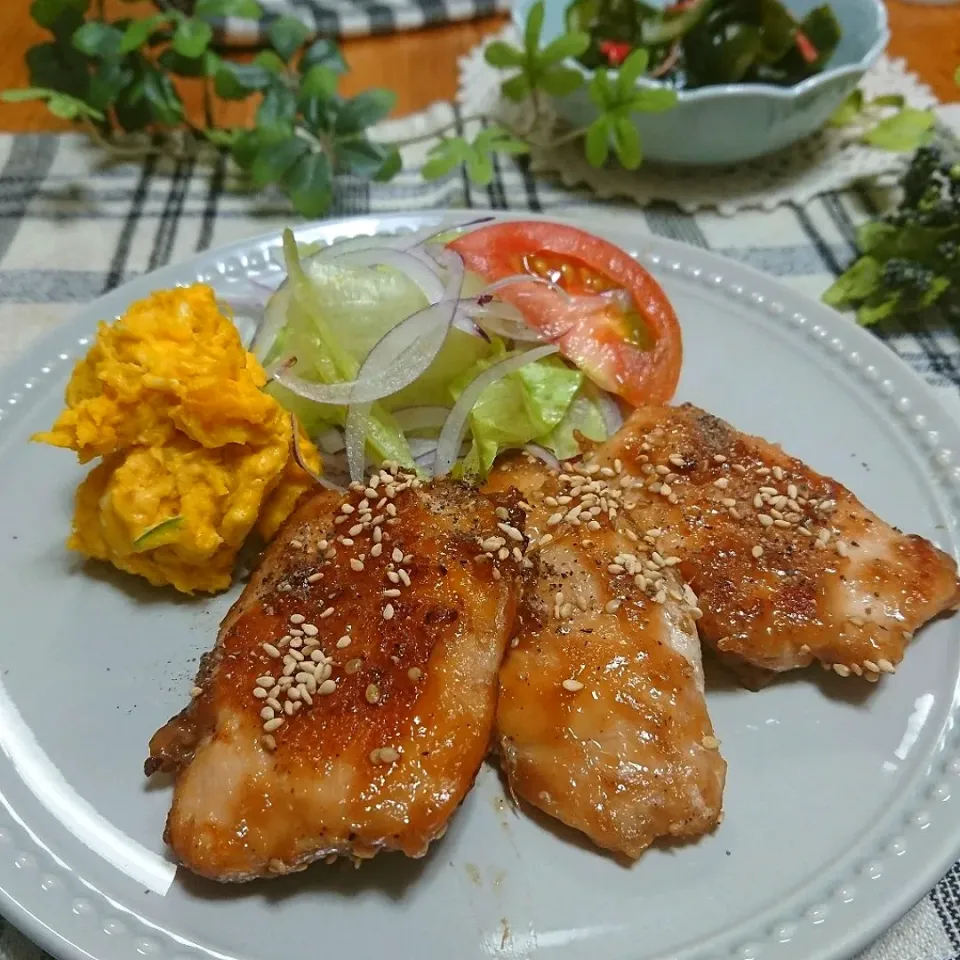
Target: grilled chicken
(601,720)
(350,698)
(788,565)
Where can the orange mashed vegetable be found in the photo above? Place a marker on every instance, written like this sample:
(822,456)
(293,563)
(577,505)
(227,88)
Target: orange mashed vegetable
(193,454)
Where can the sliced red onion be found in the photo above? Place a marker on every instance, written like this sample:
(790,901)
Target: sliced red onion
(502,319)
(419,271)
(402,354)
(423,335)
(302,463)
(421,238)
(421,418)
(542,453)
(358,421)
(610,411)
(272,322)
(448,443)
(522,278)
(421,448)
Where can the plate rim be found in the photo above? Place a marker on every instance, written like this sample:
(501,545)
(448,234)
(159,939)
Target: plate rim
(837,337)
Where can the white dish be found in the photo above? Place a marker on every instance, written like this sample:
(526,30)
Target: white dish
(841,805)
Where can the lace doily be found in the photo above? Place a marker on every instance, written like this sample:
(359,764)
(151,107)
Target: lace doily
(828,160)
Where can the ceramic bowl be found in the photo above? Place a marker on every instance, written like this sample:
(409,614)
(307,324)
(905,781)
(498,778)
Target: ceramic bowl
(734,122)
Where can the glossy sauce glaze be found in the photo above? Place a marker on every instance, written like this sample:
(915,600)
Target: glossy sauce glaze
(403,633)
(601,720)
(789,566)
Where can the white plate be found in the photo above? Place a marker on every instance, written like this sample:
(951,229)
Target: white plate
(840,804)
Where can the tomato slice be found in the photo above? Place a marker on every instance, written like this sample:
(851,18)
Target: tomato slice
(628,343)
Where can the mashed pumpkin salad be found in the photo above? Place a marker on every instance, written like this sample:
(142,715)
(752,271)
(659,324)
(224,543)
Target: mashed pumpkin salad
(193,453)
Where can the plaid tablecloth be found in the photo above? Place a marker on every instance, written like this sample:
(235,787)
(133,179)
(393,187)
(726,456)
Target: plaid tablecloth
(358,18)
(72,227)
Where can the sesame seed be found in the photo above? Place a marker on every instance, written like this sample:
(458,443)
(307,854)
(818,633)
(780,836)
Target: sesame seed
(388,755)
(512,532)
(757,551)
(271,651)
(327,687)
(392,576)
(260,693)
(414,673)
(502,513)
(265,682)
(615,568)
(676,459)
(356,530)
(315,578)
(778,472)
(710,743)
(722,483)
(388,612)
(275,724)
(356,565)
(346,541)
(372,693)
(392,592)
(886,666)
(781,524)
(343,642)
(346,508)
(841,670)
(572,685)
(496,574)
(376,549)
(405,577)
(554,519)
(765,520)
(612,606)
(297,618)
(310,629)
(267,713)
(719,458)
(397,555)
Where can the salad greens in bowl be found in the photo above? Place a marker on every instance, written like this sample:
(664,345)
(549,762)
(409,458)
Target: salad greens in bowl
(751,76)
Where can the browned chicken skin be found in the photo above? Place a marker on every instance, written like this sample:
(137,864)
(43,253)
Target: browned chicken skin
(601,720)
(789,566)
(373,656)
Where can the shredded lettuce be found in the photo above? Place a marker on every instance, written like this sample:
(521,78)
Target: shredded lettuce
(535,404)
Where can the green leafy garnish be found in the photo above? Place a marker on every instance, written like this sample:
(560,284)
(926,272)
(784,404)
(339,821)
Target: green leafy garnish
(902,131)
(910,259)
(538,68)
(159,535)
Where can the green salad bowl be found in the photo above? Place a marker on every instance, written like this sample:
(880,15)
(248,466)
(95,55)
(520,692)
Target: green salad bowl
(734,122)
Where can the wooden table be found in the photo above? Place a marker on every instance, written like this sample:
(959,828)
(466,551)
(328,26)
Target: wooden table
(421,66)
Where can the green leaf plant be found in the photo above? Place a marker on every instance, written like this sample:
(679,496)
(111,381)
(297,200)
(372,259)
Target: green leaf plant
(129,75)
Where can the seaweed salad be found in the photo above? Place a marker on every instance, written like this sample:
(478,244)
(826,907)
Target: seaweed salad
(700,43)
